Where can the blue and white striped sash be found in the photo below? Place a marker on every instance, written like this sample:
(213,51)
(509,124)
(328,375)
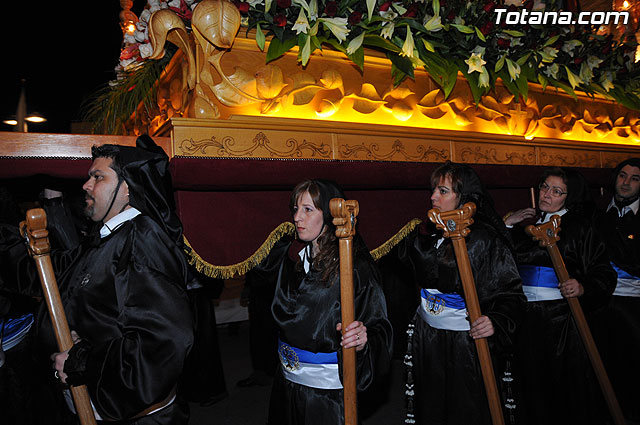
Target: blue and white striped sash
(316,370)
(443,311)
(539,283)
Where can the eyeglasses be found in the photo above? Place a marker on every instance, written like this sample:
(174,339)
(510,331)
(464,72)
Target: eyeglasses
(555,192)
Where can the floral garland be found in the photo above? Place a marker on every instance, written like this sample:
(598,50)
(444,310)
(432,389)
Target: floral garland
(442,36)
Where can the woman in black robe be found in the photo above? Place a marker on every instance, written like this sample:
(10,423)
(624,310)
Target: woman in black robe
(307,388)
(444,380)
(558,380)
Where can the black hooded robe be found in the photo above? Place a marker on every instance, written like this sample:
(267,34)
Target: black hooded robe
(306,312)
(558,381)
(448,384)
(620,327)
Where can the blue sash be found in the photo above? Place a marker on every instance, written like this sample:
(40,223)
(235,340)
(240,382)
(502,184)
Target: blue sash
(15,330)
(623,274)
(447,300)
(305,356)
(538,276)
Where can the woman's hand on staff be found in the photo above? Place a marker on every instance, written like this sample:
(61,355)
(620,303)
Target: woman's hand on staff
(571,288)
(519,216)
(355,335)
(481,328)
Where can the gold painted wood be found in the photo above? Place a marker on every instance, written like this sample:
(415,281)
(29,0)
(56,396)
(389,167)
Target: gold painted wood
(455,225)
(344,215)
(547,235)
(34,230)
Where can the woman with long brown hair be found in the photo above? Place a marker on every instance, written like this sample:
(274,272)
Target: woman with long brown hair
(307,388)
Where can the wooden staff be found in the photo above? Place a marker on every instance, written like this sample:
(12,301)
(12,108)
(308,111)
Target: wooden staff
(344,218)
(455,226)
(533,198)
(547,234)
(34,229)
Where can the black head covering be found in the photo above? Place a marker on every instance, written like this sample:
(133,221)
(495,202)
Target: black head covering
(145,168)
(471,189)
(579,196)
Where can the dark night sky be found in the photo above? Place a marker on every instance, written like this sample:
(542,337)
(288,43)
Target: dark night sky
(65,50)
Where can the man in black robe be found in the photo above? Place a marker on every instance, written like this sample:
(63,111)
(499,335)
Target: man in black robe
(619,225)
(125,291)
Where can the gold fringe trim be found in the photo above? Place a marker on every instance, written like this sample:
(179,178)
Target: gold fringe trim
(286,228)
(384,249)
(238,269)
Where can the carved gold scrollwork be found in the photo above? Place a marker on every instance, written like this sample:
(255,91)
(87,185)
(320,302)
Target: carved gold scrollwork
(576,159)
(490,155)
(226,147)
(370,151)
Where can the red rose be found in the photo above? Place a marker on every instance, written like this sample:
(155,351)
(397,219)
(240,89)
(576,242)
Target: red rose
(283,4)
(504,42)
(578,61)
(385,6)
(355,17)
(130,51)
(280,20)
(486,28)
(331,9)
(452,15)
(182,11)
(412,11)
(489,6)
(243,7)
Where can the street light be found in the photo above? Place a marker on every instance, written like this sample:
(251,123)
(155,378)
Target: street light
(21,118)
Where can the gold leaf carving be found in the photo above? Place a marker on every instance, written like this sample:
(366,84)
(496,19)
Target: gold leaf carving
(368,100)
(331,79)
(227,90)
(227,148)
(218,21)
(568,160)
(269,81)
(371,152)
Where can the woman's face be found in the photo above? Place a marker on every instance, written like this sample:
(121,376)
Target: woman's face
(553,194)
(308,218)
(443,196)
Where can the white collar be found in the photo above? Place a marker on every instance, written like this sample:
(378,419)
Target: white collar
(305,255)
(631,207)
(117,220)
(547,216)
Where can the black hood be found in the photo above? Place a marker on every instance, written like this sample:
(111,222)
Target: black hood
(145,168)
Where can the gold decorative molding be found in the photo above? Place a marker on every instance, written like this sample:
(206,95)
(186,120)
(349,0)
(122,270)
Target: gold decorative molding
(260,146)
(381,151)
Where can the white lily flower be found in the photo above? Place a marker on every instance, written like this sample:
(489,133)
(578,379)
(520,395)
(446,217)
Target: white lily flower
(513,68)
(253,3)
(313,10)
(606,80)
(338,26)
(549,54)
(174,3)
(475,63)
(483,80)
(479,50)
(458,20)
(301,3)
(585,72)
(552,71)
(593,62)
(408,46)
(434,23)
(570,46)
(389,15)
(387,30)
(301,24)
(129,39)
(355,44)
(145,50)
(574,79)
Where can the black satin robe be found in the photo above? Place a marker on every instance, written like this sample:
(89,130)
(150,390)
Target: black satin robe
(619,330)
(307,312)
(449,388)
(126,298)
(558,380)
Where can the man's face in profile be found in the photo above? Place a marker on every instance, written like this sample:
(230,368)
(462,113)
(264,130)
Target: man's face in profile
(100,190)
